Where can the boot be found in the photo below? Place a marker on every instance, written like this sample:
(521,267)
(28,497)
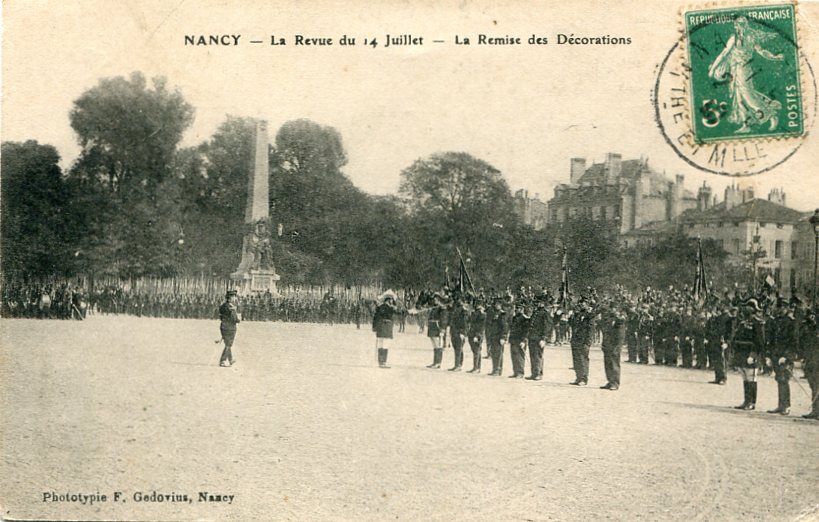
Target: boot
(746,393)
(437,357)
(752,388)
(382,358)
(435,364)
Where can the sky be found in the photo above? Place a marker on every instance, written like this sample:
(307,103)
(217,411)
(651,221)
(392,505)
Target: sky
(525,109)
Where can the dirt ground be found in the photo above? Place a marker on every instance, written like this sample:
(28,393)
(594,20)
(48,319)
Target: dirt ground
(305,427)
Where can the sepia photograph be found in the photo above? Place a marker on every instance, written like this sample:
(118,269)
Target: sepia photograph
(434,260)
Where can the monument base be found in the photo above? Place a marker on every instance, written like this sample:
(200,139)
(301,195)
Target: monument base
(256,281)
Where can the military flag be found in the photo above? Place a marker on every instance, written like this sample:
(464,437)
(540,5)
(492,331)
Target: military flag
(464,281)
(700,288)
(564,279)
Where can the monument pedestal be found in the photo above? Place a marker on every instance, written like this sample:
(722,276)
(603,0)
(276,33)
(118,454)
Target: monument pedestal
(256,281)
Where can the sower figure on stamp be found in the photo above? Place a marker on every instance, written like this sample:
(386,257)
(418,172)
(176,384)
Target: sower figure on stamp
(229,318)
(382,325)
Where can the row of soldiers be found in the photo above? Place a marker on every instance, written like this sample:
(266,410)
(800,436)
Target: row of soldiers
(44,301)
(740,331)
(65,301)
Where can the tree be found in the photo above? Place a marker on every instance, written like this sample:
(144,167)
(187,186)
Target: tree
(131,222)
(214,179)
(34,217)
(323,214)
(128,132)
(461,201)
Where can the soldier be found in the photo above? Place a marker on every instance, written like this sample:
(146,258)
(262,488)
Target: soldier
(645,333)
(809,348)
(581,322)
(518,335)
(229,318)
(783,352)
(614,335)
(457,331)
(477,325)
(748,345)
(382,326)
(497,333)
(632,326)
(435,330)
(716,342)
(539,330)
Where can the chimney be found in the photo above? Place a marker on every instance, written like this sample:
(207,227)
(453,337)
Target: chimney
(578,168)
(675,206)
(637,202)
(777,196)
(703,197)
(731,196)
(613,166)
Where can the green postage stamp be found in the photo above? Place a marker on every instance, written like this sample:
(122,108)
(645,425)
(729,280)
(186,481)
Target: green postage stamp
(744,76)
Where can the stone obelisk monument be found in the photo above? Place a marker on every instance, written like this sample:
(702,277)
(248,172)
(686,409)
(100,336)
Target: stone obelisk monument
(256,272)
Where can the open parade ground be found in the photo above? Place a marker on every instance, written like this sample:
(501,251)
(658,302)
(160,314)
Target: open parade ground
(306,427)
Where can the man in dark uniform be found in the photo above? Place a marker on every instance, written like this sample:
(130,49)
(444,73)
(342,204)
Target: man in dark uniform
(582,323)
(716,342)
(645,333)
(539,328)
(809,348)
(784,348)
(436,330)
(614,336)
(632,325)
(748,345)
(229,318)
(382,326)
(458,320)
(477,326)
(497,332)
(518,335)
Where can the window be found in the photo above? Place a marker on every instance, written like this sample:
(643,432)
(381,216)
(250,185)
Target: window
(779,225)
(778,246)
(736,223)
(737,245)
(794,249)
(762,224)
(603,213)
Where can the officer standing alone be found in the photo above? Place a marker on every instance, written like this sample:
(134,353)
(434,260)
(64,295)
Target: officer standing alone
(229,318)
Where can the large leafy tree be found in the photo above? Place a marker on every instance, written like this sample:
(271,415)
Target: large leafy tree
(129,133)
(459,201)
(323,214)
(34,213)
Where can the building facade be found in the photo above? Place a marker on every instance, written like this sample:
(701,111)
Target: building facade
(532,211)
(629,193)
(747,227)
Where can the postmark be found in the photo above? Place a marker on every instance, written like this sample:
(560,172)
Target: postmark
(744,76)
(702,94)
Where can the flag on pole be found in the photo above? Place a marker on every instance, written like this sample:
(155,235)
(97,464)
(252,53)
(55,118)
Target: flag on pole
(700,288)
(447,282)
(464,281)
(564,279)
